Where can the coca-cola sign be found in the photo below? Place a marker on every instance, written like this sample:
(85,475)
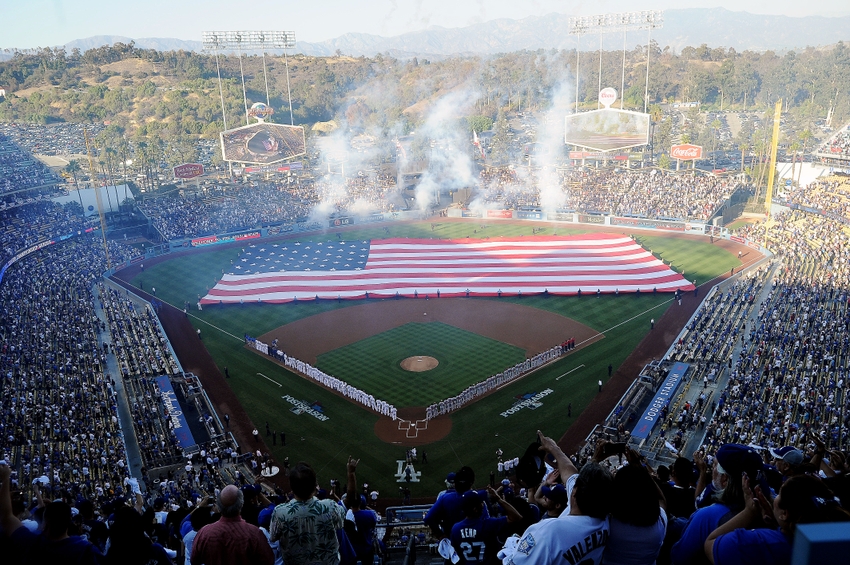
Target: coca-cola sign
(188,171)
(686,152)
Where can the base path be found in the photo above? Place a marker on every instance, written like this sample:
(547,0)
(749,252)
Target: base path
(530,329)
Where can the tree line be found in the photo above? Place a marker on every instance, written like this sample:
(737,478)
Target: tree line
(163,101)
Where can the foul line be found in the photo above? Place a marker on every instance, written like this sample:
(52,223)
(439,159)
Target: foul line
(242,339)
(570,371)
(272,380)
(633,318)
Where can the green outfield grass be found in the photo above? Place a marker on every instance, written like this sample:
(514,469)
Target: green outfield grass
(739,224)
(465,358)
(479,429)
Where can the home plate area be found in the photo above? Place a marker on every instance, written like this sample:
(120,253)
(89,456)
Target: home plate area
(411,429)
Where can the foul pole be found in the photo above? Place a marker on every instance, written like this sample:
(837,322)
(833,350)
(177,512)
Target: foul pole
(774,144)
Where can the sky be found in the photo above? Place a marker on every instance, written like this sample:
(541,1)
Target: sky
(40,23)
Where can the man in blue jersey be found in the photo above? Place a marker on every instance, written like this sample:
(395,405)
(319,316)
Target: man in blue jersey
(447,510)
(475,537)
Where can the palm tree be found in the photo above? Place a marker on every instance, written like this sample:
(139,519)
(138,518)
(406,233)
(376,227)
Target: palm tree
(715,125)
(111,155)
(805,136)
(72,168)
(745,148)
(795,147)
(760,147)
(124,152)
(103,172)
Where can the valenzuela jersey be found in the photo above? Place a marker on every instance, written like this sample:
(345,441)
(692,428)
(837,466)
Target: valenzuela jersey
(570,540)
(474,540)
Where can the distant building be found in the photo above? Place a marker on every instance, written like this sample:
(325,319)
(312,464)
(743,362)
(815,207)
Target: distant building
(2,92)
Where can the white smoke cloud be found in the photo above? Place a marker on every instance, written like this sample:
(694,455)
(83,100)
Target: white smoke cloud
(550,134)
(450,165)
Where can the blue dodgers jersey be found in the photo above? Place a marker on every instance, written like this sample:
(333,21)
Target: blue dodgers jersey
(475,539)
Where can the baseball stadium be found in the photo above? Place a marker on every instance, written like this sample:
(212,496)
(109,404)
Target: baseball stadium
(416,333)
(371,344)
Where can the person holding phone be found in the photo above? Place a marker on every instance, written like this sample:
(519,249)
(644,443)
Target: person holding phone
(582,530)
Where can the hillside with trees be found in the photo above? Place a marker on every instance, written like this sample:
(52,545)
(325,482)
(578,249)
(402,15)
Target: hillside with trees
(168,100)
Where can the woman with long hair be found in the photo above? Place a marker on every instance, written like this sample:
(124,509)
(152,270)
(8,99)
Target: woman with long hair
(639,516)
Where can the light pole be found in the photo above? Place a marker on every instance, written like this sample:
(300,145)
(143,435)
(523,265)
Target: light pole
(248,40)
(623,21)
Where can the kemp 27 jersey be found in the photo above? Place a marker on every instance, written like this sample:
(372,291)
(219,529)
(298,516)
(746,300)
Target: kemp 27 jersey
(474,539)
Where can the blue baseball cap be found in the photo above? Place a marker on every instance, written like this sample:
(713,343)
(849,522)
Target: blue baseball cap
(555,493)
(737,459)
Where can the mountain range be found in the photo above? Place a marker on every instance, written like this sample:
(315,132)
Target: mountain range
(716,27)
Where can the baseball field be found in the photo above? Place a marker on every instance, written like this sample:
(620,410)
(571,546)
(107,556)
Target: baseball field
(413,352)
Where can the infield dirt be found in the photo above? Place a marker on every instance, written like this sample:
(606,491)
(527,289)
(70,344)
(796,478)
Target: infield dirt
(530,329)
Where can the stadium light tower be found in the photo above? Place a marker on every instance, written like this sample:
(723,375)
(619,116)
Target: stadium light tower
(248,40)
(625,22)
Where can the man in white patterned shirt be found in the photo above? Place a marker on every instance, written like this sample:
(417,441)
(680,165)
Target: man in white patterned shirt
(306,526)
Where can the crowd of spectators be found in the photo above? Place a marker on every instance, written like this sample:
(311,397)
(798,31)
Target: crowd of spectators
(60,433)
(228,208)
(142,352)
(24,226)
(58,418)
(363,193)
(829,196)
(638,193)
(19,170)
(839,144)
(789,383)
(54,139)
(708,344)
(225,209)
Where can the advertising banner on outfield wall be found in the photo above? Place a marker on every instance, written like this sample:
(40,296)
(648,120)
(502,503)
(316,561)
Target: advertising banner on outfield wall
(666,392)
(650,224)
(529,215)
(216,239)
(337,222)
(588,219)
(500,214)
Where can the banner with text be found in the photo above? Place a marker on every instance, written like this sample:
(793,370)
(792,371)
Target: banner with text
(174,413)
(216,239)
(662,398)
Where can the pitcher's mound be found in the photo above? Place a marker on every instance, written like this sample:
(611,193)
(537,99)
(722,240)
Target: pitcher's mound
(417,364)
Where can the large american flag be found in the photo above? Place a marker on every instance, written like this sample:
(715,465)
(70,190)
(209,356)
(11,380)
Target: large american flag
(285,271)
